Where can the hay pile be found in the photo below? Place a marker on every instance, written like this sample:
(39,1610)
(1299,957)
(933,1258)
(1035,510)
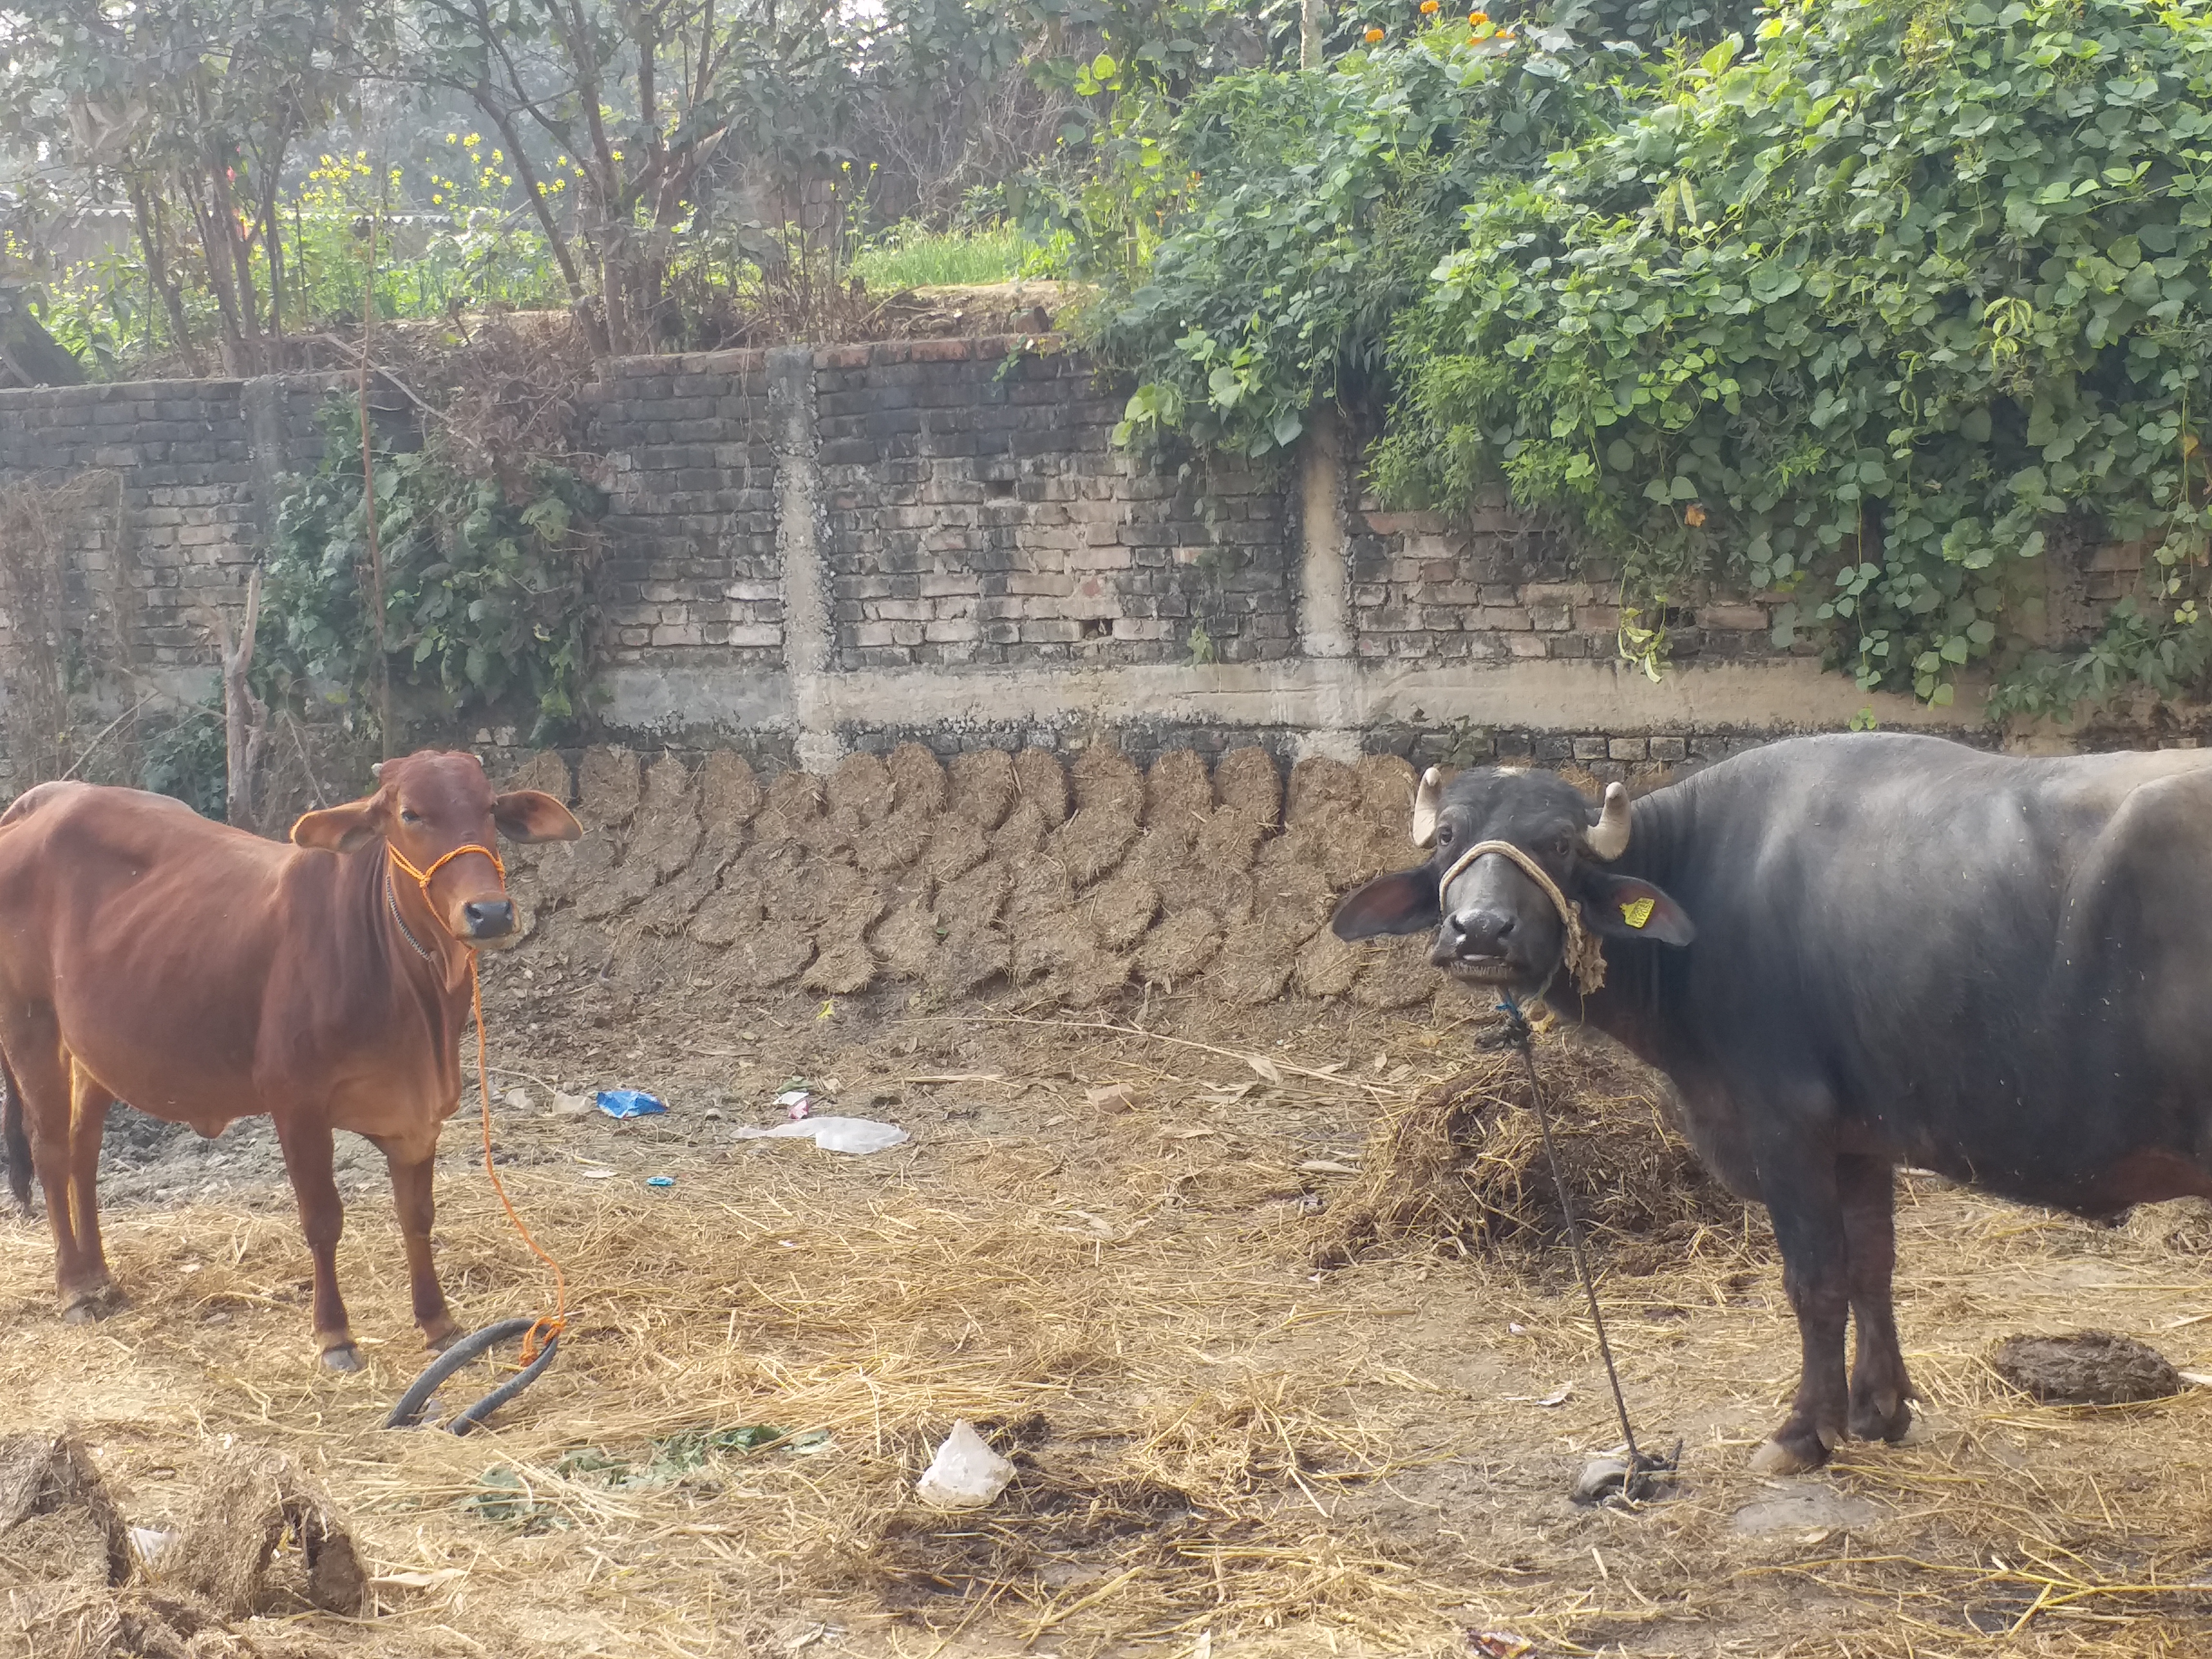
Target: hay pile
(262,1540)
(1463,1165)
(1075,884)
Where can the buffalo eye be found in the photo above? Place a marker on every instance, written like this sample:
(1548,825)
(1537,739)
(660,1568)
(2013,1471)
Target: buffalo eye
(1444,836)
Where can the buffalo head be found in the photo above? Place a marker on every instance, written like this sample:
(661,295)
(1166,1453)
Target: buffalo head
(1496,923)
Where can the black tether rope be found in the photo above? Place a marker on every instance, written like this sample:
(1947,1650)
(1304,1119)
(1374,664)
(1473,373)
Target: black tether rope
(407,1413)
(1637,1480)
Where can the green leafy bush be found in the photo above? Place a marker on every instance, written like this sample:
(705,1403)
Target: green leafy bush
(485,595)
(1858,319)
(1304,211)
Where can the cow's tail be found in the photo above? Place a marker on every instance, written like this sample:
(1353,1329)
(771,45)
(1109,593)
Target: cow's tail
(15,1145)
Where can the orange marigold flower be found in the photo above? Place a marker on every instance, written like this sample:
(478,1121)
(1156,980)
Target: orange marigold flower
(1430,8)
(1477,18)
(1373,35)
(1693,515)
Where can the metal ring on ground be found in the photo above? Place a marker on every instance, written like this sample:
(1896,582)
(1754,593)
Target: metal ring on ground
(407,1413)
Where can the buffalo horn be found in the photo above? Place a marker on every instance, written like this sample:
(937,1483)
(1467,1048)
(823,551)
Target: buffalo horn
(1607,839)
(1425,807)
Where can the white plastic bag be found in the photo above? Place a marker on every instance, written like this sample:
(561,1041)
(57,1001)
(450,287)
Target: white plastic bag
(857,1135)
(966,1473)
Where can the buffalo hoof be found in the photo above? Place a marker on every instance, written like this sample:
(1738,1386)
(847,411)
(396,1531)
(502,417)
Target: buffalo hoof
(1793,1455)
(344,1357)
(1872,1420)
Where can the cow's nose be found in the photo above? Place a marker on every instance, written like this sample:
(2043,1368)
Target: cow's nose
(1480,933)
(488,918)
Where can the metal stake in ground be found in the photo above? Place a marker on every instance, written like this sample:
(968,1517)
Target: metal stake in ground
(1636,1478)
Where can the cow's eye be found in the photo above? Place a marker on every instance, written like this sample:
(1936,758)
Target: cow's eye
(409,815)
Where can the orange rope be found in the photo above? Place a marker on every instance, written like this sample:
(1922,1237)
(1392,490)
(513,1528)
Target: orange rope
(557,1321)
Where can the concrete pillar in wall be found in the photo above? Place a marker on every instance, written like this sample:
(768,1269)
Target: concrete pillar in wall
(806,630)
(1324,613)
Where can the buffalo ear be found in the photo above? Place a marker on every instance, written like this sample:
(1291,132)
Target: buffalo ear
(1403,903)
(346,828)
(532,815)
(1621,906)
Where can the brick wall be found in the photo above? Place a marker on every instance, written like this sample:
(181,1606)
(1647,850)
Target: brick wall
(813,549)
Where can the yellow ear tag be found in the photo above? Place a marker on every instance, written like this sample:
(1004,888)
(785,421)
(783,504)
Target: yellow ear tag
(1636,912)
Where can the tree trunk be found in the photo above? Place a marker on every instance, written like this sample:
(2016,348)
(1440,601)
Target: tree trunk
(1313,24)
(245,716)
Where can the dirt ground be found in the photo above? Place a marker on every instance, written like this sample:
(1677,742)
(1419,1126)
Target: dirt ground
(1147,1095)
(1220,1451)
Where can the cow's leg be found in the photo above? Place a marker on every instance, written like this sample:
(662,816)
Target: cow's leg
(1879,1388)
(1799,1183)
(308,1154)
(41,1072)
(89,1106)
(410,1196)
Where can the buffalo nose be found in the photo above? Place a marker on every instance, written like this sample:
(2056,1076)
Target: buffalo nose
(1479,933)
(489,918)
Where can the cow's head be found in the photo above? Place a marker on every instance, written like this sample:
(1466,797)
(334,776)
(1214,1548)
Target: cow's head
(1496,926)
(427,808)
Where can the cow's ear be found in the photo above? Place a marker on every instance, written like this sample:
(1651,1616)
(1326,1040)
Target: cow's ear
(533,815)
(1621,906)
(342,828)
(1403,903)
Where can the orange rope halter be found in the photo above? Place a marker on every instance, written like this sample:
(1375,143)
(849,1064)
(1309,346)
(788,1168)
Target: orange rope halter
(556,1322)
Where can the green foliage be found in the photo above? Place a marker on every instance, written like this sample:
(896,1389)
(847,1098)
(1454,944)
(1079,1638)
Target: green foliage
(485,594)
(914,255)
(1306,211)
(185,758)
(1855,319)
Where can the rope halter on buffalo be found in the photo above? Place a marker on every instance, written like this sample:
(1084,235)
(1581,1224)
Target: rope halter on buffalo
(1634,1474)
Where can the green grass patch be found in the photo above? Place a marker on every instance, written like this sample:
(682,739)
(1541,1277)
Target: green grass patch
(912,256)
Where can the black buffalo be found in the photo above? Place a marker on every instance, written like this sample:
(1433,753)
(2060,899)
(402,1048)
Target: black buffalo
(1854,953)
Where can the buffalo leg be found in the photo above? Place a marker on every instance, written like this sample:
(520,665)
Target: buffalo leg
(307,1153)
(410,1196)
(1800,1186)
(89,1106)
(1880,1387)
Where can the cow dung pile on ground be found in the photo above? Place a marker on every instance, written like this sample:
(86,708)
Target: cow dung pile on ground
(262,1543)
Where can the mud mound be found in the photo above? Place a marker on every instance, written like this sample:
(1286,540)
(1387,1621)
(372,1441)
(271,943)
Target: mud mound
(1247,780)
(1177,789)
(2090,1367)
(1464,1164)
(983,787)
(547,772)
(58,1523)
(66,1565)
(862,785)
(919,784)
(1079,882)
(1106,781)
(1040,783)
(263,1538)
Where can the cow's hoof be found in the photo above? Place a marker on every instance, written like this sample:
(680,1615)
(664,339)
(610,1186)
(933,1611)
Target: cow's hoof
(86,1306)
(1792,1456)
(344,1357)
(439,1340)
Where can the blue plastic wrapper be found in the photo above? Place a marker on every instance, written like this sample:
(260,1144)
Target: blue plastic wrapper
(660,1183)
(629,1102)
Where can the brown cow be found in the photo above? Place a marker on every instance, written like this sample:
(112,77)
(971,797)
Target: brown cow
(204,975)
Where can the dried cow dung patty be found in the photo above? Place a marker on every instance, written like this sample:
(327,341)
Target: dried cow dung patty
(2090,1367)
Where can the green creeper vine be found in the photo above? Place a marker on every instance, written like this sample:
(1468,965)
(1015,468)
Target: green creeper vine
(485,594)
(1862,318)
